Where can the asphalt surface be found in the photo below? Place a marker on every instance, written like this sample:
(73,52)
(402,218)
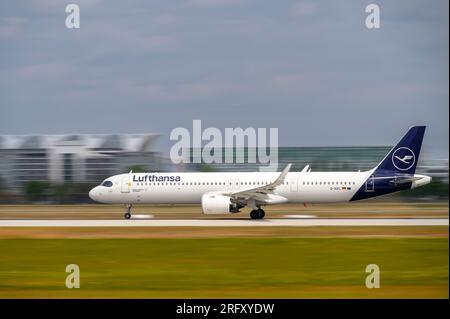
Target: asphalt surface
(291,222)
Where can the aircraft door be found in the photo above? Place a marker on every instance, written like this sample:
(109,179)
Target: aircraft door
(293,185)
(125,184)
(370,184)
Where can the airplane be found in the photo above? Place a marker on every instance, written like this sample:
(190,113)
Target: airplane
(229,192)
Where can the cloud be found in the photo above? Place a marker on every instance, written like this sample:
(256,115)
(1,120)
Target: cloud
(11,26)
(304,9)
(186,92)
(41,72)
(297,84)
(215,3)
(255,63)
(58,5)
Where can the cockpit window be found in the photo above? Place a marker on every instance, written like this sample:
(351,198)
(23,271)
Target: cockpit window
(107,183)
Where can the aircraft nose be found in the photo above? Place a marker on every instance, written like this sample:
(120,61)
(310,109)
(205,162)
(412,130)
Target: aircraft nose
(93,193)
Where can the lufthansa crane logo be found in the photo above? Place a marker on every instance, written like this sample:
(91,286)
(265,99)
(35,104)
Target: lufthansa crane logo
(403,158)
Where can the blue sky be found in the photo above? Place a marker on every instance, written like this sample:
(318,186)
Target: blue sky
(310,68)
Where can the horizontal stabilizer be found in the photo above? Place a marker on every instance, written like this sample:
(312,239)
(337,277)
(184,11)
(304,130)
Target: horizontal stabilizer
(404,180)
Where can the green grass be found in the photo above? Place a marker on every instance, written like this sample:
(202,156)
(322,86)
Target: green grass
(225,267)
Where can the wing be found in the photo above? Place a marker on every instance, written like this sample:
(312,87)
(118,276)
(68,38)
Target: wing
(262,193)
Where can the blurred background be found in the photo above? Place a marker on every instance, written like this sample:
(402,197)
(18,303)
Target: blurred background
(62,168)
(79,105)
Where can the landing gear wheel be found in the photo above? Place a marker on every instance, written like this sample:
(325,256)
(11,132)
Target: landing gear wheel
(127,214)
(261,213)
(257,214)
(254,214)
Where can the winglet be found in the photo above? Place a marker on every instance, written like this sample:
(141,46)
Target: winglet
(130,172)
(305,169)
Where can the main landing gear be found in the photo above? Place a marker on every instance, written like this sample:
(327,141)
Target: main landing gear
(127,214)
(257,214)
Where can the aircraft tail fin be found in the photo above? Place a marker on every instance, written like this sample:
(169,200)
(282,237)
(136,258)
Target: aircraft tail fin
(403,157)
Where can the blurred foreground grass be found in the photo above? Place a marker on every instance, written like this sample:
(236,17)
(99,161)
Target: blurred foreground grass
(225,267)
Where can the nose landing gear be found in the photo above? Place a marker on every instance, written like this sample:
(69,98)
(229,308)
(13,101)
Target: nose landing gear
(257,214)
(127,214)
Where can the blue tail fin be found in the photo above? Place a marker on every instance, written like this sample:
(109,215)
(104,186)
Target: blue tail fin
(402,159)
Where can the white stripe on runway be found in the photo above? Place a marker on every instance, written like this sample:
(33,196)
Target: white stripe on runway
(227,222)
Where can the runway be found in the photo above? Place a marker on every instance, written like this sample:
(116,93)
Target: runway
(302,222)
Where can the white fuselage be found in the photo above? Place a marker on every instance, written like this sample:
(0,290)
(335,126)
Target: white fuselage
(228,192)
(188,188)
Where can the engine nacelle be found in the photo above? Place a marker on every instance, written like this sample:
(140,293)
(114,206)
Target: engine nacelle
(275,199)
(214,203)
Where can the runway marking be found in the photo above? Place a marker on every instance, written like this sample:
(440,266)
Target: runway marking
(228,222)
(141,216)
(300,216)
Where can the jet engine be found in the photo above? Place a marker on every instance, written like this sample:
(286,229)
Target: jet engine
(214,203)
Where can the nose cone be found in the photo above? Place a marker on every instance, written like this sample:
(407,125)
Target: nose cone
(93,193)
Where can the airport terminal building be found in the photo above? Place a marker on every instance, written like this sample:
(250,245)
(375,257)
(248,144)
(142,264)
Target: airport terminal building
(60,159)
(325,159)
